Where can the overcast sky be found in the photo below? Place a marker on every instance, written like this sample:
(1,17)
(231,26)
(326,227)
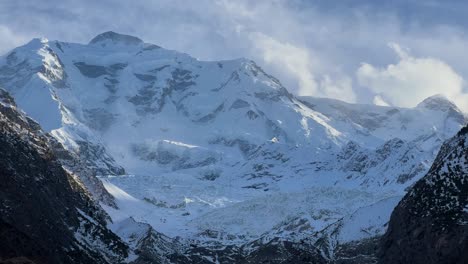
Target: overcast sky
(384,52)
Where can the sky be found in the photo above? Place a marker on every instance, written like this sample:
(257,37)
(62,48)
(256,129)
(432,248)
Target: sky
(361,51)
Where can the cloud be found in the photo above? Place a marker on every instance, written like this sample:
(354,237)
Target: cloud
(9,39)
(338,88)
(287,57)
(411,80)
(297,62)
(378,100)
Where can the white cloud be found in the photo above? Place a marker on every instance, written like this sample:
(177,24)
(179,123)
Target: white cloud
(378,100)
(412,79)
(289,58)
(402,52)
(9,39)
(338,88)
(298,63)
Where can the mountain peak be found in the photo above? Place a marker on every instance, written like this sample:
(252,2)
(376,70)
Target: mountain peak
(115,38)
(438,102)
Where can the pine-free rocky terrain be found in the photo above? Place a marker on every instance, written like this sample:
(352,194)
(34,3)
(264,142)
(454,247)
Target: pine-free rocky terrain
(138,154)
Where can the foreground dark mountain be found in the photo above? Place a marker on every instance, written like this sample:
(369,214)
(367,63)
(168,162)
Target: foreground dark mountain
(430,224)
(46,214)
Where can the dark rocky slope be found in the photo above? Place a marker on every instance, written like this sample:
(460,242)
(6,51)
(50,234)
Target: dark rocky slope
(46,215)
(430,224)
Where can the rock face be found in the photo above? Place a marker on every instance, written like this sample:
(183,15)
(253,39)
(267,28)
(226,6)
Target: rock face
(81,171)
(430,224)
(46,216)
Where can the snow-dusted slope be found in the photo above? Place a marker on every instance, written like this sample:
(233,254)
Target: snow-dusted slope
(221,151)
(46,214)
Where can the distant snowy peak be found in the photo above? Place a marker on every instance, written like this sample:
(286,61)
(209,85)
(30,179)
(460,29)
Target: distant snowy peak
(111,37)
(438,102)
(436,118)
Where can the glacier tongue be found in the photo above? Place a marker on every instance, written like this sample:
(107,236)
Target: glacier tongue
(220,151)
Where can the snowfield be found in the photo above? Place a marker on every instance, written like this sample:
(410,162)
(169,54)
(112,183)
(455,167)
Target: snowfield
(181,205)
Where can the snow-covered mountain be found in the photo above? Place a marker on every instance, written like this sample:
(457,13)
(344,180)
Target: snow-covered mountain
(220,153)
